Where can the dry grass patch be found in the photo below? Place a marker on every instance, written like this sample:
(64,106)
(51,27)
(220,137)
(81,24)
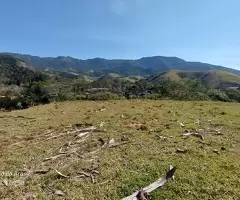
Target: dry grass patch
(56,141)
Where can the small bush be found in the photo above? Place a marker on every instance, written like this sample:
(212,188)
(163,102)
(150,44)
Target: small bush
(13,104)
(233,95)
(103,96)
(218,95)
(66,97)
(80,97)
(36,94)
(201,97)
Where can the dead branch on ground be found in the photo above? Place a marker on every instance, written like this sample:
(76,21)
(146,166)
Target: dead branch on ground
(60,174)
(144,193)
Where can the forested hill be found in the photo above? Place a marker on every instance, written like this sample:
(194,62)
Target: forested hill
(211,79)
(98,66)
(15,71)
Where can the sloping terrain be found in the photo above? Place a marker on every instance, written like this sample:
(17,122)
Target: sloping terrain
(139,67)
(212,79)
(108,150)
(15,71)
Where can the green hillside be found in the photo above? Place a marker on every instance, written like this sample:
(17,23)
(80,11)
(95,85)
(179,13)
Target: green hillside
(212,79)
(15,71)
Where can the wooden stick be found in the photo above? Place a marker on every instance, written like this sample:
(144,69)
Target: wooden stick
(159,183)
(60,174)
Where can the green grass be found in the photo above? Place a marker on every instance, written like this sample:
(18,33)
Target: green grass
(228,77)
(201,173)
(212,78)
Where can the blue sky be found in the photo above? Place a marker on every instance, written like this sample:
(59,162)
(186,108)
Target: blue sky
(195,30)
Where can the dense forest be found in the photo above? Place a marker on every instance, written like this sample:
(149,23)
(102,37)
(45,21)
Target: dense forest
(16,72)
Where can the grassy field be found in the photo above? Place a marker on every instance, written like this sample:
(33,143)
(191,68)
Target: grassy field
(208,168)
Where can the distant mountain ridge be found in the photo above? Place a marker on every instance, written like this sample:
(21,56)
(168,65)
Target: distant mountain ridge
(145,66)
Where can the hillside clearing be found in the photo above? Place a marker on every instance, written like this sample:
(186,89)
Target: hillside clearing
(63,151)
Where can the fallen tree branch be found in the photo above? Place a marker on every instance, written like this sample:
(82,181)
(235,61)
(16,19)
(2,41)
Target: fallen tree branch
(200,132)
(56,136)
(53,157)
(59,193)
(140,195)
(41,171)
(80,135)
(181,150)
(90,128)
(61,152)
(112,143)
(60,174)
(82,132)
(196,134)
(90,174)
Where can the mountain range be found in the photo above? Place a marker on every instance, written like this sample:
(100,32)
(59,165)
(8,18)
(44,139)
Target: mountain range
(97,67)
(39,83)
(18,69)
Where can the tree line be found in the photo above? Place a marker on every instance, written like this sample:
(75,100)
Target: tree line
(59,89)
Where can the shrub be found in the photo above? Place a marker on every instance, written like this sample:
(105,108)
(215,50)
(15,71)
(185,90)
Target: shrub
(80,97)
(233,95)
(66,97)
(218,95)
(103,96)
(201,97)
(35,94)
(13,104)
(153,96)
